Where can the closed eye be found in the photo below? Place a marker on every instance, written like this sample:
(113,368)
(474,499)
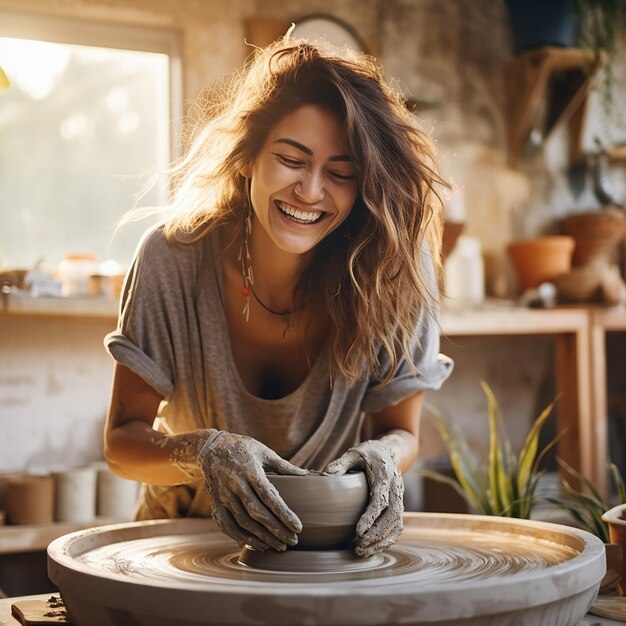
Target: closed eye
(342,176)
(289,162)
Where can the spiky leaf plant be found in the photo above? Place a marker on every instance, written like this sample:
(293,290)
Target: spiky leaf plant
(503,484)
(586,509)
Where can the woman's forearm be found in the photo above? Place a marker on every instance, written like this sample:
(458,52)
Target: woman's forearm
(136,451)
(404,445)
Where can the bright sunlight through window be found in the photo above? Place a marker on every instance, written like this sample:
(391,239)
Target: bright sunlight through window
(81,129)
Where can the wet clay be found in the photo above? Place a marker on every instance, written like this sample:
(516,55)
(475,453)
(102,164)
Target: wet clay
(443,569)
(246,506)
(329,507)
(381,524)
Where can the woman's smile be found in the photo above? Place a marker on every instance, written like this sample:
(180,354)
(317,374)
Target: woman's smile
(297,215)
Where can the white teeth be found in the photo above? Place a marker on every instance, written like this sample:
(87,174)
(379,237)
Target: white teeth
(305,216)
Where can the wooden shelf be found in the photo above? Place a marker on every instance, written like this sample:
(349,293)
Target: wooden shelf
(547,87)
(504,318)
(16,304)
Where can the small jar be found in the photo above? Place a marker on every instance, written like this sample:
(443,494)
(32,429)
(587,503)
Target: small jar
(464,274)
(30,500)
(74,272)
(75,495)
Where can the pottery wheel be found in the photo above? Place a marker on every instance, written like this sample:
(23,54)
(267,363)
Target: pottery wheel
(445,568)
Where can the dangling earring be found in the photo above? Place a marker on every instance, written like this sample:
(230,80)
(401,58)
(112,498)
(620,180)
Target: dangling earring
(246,267)
(244,251)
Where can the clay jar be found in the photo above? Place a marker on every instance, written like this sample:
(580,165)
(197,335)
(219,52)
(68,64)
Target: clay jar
(541,259)
(75,499)
(30,500)
(329,507)
(616,519)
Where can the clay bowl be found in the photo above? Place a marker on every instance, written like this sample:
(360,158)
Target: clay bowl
(582,284)
(329,507)
(540,260)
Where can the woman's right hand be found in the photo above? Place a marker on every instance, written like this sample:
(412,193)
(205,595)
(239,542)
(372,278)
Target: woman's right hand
(246,506)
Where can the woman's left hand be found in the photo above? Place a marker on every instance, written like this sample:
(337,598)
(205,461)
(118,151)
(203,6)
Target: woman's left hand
(381,524)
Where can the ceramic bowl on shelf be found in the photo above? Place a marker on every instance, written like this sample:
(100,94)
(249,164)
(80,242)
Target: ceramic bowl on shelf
(541,259)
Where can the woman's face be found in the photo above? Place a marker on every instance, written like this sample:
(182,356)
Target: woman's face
(303,180)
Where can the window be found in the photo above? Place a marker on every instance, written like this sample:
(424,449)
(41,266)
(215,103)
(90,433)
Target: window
(86,119)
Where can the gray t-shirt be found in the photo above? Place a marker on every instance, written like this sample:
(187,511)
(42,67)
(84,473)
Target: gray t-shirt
(172,332)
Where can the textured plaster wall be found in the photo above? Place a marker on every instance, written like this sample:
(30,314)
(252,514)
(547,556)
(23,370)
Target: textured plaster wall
(53,391)
(54,384)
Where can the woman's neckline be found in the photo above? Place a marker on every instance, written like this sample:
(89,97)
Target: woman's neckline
(217,250)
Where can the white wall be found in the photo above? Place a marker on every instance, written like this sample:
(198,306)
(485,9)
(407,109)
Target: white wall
(55,379)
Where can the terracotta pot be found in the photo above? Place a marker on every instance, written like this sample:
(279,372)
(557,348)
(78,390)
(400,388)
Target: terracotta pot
(616,519)
(30,500)
(541,259)
(5,479)
(596,233)
(614,568)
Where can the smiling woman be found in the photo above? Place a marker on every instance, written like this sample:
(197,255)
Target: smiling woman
(81,125)
(308,202)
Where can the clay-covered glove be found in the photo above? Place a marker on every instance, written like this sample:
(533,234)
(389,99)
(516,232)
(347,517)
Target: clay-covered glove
(246,506)
(381,524)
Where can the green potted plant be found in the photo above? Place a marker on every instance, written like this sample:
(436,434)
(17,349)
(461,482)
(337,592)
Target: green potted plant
(595,25)
(504,483)
(593,513)
(602,22)
(587,507)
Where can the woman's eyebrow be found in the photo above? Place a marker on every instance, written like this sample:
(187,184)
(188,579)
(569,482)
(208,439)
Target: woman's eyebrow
(308,151)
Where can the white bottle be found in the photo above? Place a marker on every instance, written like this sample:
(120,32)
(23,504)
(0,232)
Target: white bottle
(464,275)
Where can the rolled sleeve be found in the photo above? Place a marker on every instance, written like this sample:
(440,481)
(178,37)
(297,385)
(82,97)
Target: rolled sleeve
(429,370)
(145,338)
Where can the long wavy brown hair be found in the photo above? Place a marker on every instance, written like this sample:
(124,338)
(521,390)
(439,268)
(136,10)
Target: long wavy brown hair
(377,273)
